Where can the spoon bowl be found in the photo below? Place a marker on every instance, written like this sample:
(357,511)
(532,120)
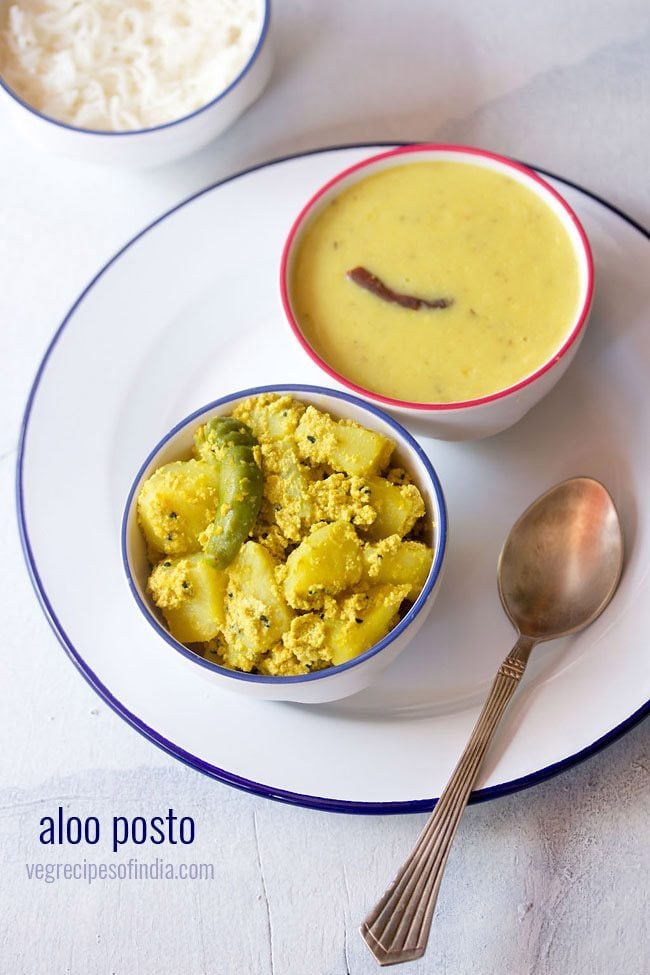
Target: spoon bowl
(562,560)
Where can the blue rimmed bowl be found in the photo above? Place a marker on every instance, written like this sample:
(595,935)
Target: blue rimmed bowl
(158,144)
(335,682)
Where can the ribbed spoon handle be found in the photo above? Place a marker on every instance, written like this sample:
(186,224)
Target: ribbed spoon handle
(397,928)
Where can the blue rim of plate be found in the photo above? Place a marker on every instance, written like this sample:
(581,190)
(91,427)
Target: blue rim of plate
(434,573)
(193,761)
(264,29)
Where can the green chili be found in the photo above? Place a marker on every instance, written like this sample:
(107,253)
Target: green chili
(240,488)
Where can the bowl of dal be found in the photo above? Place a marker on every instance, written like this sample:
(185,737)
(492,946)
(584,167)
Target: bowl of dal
(448,284)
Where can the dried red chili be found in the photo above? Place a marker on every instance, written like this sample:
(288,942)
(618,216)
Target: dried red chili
(370,282)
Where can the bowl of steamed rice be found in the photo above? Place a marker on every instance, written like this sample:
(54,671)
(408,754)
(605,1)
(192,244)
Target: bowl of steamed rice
(135,84)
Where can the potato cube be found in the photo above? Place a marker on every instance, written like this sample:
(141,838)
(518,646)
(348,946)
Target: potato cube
(398,507)
(326,563)
(270,417)
(348,638)
(341,444)
(286,486)
(256,611)
(395,562)
(176,504)
(190,592)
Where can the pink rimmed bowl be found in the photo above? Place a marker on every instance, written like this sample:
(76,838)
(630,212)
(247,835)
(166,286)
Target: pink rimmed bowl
(485,415)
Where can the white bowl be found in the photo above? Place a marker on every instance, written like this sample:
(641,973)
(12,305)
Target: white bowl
(487,415)
(335,682)
(159,144)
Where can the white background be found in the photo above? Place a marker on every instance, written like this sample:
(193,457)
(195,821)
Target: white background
(552,880)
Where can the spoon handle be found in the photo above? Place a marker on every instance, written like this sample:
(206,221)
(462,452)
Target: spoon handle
(397,928)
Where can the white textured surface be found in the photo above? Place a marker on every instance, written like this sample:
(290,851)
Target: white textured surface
(552,880)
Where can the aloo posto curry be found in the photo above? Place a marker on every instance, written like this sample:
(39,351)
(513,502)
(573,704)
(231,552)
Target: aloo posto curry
(289,542)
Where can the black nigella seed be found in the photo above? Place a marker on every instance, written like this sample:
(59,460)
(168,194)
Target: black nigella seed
(172,514)
(357,620)
(170,537)
(167,564)
(186,584)
(311,439)
(264,620)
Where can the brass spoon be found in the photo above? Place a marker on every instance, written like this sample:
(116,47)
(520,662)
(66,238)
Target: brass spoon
(557,572)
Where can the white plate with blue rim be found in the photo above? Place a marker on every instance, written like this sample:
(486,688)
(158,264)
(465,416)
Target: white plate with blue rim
(189,311)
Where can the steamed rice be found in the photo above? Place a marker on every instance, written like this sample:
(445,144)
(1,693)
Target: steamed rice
(98,64)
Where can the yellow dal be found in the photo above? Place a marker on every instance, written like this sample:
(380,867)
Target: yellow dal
(432,230)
